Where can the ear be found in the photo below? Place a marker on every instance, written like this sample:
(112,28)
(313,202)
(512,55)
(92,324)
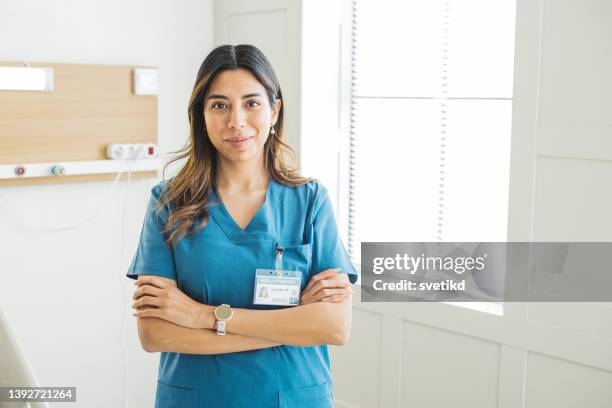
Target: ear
(275,111)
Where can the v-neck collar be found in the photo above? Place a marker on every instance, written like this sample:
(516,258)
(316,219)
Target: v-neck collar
(257,225)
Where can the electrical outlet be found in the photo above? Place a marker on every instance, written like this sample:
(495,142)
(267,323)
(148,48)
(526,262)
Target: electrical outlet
(115,151)
(126,151)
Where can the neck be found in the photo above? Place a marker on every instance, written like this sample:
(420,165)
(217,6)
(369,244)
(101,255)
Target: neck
(241,177)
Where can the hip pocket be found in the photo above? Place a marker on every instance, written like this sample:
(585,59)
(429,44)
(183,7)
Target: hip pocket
(169,396)
(316,396)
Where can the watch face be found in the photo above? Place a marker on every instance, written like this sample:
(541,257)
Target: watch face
(223,312)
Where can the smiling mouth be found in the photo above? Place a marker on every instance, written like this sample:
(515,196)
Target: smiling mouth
(240,139)
(239,142)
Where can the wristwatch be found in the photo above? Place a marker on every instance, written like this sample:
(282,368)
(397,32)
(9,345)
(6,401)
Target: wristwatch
(223,314)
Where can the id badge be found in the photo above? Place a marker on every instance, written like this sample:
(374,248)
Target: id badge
(277,287)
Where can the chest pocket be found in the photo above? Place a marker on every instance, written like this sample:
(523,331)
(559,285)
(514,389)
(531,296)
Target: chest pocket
(296,258)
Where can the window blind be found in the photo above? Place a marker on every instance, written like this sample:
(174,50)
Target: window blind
(431,111)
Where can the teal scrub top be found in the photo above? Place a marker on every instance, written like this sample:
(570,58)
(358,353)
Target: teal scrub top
(217,265)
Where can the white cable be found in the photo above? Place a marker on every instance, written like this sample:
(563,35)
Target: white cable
(19,223)
(124,348)
(124,309)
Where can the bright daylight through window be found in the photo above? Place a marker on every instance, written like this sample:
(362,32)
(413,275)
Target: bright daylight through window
(431,120)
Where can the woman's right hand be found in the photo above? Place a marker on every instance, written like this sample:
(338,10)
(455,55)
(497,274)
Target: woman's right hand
(325,287)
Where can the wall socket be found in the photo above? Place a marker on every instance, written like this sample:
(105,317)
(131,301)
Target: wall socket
(126,151)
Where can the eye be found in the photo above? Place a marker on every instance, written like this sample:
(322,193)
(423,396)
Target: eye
(218,105)
(253,104)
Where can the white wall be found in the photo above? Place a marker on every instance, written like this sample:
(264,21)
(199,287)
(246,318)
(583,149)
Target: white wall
(65,293)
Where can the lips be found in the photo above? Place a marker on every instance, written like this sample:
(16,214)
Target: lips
(240,141)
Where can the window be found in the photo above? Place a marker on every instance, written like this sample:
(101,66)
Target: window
(431,120)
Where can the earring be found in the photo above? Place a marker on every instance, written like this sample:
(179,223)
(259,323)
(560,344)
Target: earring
(272,130)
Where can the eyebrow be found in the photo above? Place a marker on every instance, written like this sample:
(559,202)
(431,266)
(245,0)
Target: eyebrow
(215,96)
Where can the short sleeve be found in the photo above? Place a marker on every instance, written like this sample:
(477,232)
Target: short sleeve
(327,248)
(152,256)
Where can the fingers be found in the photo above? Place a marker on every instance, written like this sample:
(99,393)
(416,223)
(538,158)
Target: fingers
(334,299)
(146,290)
(154,312)
(326,274)
(151,280)
(330,299)
(323,293)
(147,301)
(328,283)
(326,295)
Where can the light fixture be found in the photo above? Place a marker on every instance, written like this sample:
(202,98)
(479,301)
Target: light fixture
(26,79)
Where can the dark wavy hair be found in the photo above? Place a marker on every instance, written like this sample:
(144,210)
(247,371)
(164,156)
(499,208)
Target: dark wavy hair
(187,193)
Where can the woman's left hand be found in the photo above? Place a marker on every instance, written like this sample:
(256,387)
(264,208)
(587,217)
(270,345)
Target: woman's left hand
(155,298)
(326,286)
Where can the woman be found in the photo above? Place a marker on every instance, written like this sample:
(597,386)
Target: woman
(242,277)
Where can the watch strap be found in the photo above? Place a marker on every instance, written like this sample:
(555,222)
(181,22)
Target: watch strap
(221,327)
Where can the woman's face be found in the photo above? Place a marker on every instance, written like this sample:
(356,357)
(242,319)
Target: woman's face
(238,116)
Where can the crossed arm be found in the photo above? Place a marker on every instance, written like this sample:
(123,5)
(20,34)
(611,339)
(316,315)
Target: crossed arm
(168,320)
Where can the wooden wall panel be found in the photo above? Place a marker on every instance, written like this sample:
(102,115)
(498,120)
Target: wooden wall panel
(90,107)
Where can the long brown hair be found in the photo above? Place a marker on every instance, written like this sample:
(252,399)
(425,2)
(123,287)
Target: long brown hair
(187,193)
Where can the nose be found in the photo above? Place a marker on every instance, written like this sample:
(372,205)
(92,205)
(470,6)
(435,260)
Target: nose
(237,119)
